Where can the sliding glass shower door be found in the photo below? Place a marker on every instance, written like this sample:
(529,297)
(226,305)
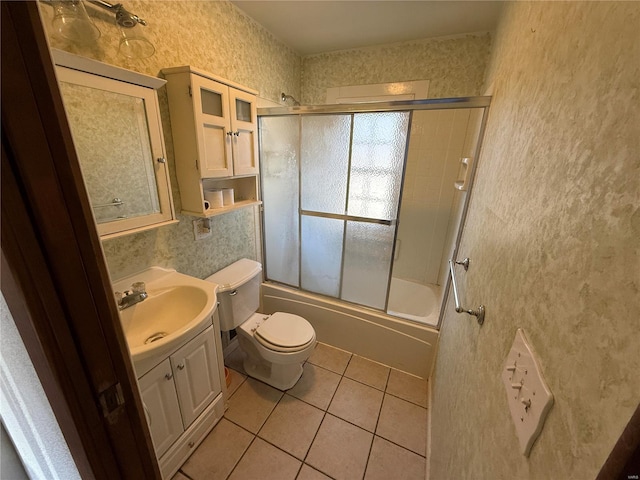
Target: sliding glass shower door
(331,187)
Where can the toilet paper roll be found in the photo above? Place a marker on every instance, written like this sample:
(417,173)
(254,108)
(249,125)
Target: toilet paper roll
(214,197)
(227,196)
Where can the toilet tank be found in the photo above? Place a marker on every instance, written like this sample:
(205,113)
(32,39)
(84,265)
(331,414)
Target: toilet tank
(238,292)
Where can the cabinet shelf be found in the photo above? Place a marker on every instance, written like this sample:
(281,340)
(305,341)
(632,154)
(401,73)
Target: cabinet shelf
(215,135)
(212,212)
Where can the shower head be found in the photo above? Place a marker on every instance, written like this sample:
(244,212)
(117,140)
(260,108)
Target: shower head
(284,97)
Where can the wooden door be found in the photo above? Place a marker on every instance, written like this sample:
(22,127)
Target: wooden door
(54,276)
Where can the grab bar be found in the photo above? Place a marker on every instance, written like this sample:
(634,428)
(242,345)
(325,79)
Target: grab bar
(479,313)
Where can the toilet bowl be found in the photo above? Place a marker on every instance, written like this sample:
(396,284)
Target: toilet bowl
(276,345)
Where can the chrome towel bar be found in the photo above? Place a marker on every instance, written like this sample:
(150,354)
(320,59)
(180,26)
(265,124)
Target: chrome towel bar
(479,312)
(116,202)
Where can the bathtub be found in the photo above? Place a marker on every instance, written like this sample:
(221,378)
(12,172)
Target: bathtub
(413,301)
(406,345)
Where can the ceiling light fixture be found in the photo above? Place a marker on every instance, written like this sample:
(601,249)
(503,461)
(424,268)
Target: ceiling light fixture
(72,22)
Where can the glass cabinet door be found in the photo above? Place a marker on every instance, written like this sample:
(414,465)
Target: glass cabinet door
(211,103)
(244,124)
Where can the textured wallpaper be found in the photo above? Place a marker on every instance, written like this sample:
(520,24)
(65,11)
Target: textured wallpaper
(216,37)
(455,66)
(553,235)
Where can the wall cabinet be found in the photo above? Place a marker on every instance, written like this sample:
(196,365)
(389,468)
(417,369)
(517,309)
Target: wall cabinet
(183,399)
(114,116)
(215,135)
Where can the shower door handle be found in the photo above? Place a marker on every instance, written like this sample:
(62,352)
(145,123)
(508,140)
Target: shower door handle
(465,166)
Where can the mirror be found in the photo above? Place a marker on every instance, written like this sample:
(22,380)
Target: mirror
(115,123)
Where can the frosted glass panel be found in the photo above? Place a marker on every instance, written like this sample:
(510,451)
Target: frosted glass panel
(378,151)
(211,102)
(367,261)
(321,254)
(325,162)
(243,110)
(279,140)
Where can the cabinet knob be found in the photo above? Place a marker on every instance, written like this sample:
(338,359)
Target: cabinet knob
(229,133)
(237,133)
(161,160)
(168,376)
(181,366)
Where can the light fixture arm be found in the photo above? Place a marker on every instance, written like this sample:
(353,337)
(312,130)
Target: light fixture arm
(124,18)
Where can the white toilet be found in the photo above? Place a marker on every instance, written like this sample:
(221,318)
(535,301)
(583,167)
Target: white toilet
(275,346)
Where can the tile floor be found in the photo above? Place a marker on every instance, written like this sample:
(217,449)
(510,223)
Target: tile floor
(346,418)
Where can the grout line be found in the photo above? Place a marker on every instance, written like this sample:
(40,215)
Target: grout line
(184,474)
(241,456)
(325,413)
(400,446)
(408,401)
(304,461)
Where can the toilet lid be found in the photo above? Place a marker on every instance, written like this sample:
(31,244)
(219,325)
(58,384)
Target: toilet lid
(286,330)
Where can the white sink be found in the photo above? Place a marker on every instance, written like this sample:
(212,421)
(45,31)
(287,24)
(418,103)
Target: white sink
(178,307)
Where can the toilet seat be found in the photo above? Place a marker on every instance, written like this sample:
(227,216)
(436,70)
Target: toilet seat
(285,332)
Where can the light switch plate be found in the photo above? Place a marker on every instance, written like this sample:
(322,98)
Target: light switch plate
(527,393)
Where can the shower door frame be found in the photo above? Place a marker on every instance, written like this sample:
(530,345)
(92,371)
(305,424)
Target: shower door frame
(478,102)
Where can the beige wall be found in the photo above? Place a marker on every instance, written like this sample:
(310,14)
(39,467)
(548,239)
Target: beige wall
(215,37)
(455,66)
(553,235)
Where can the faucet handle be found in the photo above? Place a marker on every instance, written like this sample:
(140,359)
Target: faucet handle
(138,287)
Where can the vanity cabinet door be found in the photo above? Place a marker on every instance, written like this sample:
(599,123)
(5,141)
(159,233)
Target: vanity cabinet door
(197,376)
(161,406)
(213,127)
(244,125)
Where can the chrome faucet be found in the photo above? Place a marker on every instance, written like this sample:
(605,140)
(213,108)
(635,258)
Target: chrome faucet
(130,297)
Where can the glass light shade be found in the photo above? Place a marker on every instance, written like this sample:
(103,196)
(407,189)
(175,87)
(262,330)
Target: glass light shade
(71,21)
(133,42)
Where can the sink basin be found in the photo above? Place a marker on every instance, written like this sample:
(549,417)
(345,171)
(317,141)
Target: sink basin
(178,307)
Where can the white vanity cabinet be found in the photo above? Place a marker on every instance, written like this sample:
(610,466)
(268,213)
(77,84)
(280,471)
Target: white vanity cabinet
(215,134)
(161,407)
(195,370)
(183,399)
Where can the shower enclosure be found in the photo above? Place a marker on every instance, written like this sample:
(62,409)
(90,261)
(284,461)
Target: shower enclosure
(360,201)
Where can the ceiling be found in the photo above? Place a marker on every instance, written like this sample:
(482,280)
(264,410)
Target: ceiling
(310,26)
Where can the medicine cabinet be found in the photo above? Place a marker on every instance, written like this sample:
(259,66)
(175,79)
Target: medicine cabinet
(215,135)
(115,123)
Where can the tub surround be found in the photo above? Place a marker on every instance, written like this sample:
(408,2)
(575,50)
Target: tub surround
(552,232)
(405,345)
